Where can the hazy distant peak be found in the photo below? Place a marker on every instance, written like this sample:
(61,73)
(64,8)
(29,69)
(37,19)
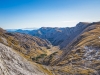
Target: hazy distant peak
(51,27)
(34,28)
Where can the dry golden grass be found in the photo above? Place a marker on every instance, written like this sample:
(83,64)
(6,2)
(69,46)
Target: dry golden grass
(73,63)
(90,38)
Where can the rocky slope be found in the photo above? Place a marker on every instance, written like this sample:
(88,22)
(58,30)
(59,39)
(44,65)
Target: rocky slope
(19,52)
(33,48)
(11,63)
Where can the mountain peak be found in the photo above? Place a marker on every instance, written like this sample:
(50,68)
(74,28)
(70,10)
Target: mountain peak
(83,23)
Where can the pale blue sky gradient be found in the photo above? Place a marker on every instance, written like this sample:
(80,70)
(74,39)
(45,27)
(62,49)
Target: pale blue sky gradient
(16,14)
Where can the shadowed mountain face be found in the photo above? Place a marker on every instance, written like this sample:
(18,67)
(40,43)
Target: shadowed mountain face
(80,54)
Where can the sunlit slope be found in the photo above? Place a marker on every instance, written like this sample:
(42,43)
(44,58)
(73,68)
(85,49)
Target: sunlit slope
(33,48)
(82,55)
(11,63)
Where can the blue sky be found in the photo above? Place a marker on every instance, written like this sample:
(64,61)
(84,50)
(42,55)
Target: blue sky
(16,14)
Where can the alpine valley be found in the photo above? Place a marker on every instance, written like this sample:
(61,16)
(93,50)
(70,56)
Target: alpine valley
(51,50)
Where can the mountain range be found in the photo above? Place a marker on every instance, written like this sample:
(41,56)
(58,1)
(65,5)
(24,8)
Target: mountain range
(56,35)
(51,51)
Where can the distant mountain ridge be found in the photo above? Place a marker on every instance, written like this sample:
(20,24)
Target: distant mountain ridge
(57,35)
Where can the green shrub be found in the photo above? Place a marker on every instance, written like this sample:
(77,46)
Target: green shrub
(38,57)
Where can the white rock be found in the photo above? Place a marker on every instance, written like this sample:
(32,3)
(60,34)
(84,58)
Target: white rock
(11,63)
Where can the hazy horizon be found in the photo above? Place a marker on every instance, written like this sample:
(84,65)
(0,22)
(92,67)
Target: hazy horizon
(17,14)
